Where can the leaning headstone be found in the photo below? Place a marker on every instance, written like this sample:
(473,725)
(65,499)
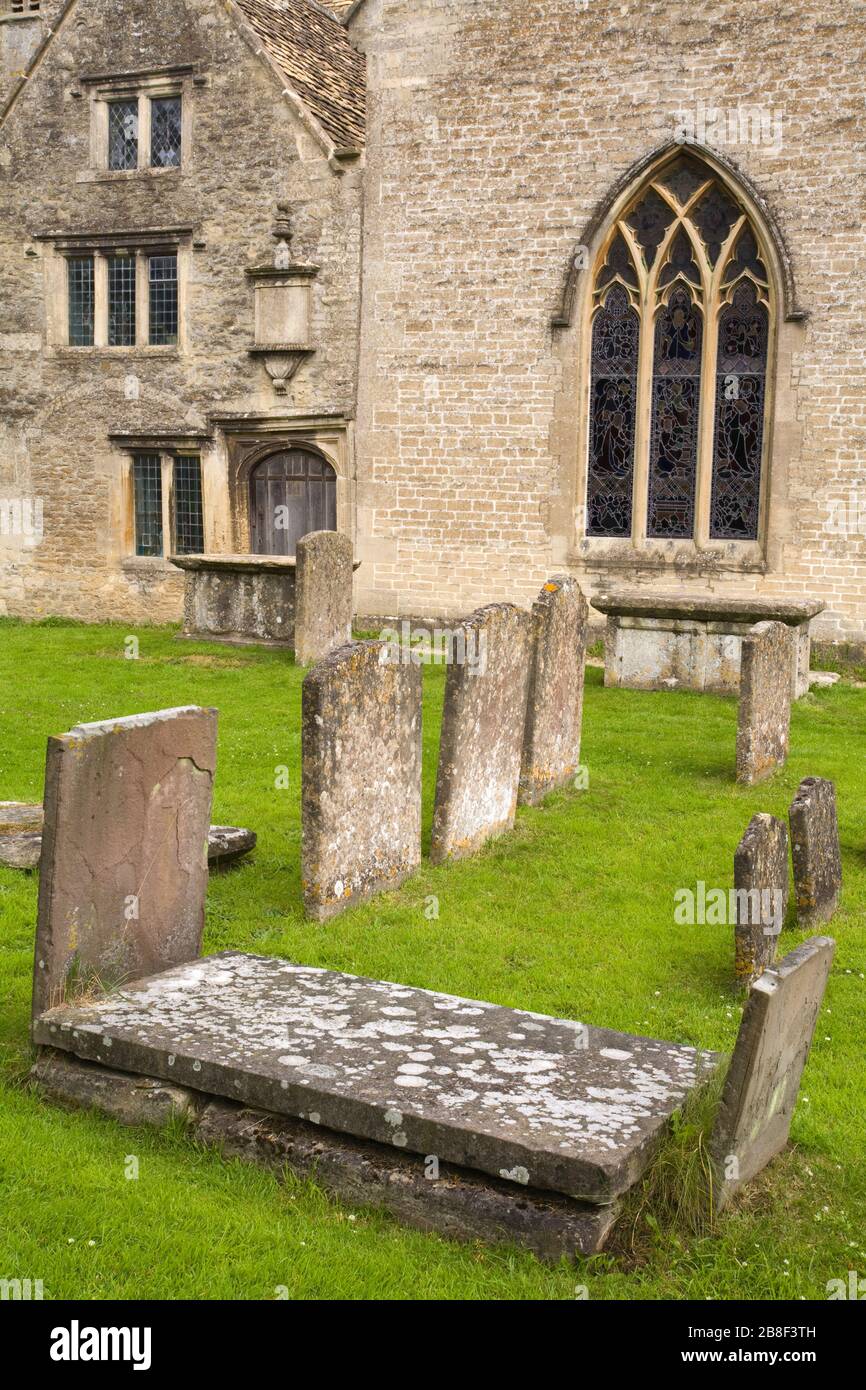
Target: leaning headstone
(124,855)
(482,731)
(765,702)
(361,777)
(761,895)
(763,1080)
(815,851)
(554,710)
(323,595)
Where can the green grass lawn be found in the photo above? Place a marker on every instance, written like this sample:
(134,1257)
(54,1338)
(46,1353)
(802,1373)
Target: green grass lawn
(571,914)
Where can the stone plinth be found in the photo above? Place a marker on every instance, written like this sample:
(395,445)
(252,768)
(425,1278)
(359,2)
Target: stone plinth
(815,851)
(761,881)
(764,715)
(239,598)
(323,610)
(763,1080)
(361,777)
(677,642)
(554,710)
(544,1103)
(483,723)
(124,855)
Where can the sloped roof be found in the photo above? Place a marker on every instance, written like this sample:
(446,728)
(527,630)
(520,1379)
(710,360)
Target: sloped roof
(312,48)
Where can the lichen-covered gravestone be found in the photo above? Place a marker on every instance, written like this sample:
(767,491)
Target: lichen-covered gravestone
(815,851)
(551,742)
(761,889)
(361,777)
(124,868)
(482,731)
(763,1080)
(323,595)
(766,689)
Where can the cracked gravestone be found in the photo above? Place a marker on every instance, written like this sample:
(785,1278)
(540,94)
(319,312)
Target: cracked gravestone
(763,1080)
(542,1102)
(483,723)
(761,886)
(815,851)
(323,595)
(766,688)
(554,710)
(124,855)
(361,777)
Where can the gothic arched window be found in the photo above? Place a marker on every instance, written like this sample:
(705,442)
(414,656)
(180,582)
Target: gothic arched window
(680,339)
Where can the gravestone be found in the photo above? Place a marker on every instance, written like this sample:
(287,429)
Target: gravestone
(763,1080)
(766,689)
(815,851)
(554,710)
(761,894)
(124,853)
(361,777)
(483,722)
(323,595)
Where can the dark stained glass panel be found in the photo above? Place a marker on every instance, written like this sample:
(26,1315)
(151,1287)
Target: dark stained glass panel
(649,221)
(739,425)
(684,177)
(715,215)
(675,413)
(613,398)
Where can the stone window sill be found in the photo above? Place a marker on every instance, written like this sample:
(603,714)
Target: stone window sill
(123,175)
(744,557)
(128,354)
(147,564)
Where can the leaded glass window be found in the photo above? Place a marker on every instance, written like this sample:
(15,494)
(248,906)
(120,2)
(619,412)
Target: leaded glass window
(679,343)
(123,134)
(121,301)
(162,279)
(147,487)
(81,301)
(165,132)
(188,511)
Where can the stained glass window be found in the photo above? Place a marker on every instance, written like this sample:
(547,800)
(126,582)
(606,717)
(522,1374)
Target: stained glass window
(615,335)
(147,486)
(121,301)
(676,401)
(81,301)
(162,277)
(739,424)
(123,134)
(165,132)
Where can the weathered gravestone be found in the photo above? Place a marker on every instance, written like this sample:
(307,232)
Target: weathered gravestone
(815,851)
(766,688)
(124,856)
(763,1080)
(554,710)
(323,595)
(483,723)
(361,777)
(761,895)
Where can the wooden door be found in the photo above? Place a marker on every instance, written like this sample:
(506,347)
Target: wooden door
(292,492)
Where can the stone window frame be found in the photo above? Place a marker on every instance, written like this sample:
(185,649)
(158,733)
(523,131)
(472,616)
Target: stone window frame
(143,87)
(29,9)
(700,551)
(168,450)
(142,245)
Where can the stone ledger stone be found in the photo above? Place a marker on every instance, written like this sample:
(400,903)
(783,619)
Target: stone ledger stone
(124,857)
(815,851)
(323,600)
(765,702)
(226,843)
(241,600)
(554,711)
(761,881)
(361,777)
(763,1080)
(133,1100)
(483,724)
(541,1102)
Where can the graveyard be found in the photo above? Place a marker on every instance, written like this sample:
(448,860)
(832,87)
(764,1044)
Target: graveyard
(569,913)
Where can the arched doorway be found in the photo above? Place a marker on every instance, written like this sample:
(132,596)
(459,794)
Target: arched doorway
(292,492)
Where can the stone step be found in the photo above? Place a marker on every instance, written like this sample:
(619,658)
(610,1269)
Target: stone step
(544,1102)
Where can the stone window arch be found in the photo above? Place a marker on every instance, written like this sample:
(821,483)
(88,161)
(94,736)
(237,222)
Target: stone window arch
(682,317)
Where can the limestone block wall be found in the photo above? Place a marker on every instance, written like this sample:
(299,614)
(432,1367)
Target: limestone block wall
(497,130)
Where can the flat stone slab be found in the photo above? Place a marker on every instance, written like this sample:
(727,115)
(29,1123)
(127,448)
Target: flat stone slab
(21,817)
(543,1102)
(706,609)
(226,843)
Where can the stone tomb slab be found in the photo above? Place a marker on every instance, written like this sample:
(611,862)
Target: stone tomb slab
(542,1102)
(815,851)
(763,1080)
